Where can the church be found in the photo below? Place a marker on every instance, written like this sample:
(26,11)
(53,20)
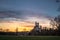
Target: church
(36,30)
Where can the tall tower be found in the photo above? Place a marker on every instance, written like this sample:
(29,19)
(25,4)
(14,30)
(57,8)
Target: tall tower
(37,27)
(36,30)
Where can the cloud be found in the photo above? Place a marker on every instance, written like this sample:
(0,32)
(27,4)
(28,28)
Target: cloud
(23,18)
(20,15)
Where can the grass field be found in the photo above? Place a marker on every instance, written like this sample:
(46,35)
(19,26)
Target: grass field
(29,37)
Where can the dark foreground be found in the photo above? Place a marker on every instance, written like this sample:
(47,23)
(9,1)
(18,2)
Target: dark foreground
(6,37)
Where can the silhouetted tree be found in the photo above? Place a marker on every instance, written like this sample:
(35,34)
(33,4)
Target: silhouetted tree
(16,31)
(58,1)
(53,23)
(57,19)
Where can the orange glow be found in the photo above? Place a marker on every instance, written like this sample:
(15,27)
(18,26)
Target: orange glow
(22,26)
(26,25)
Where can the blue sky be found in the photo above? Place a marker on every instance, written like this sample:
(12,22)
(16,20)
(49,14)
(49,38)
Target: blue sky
(27,11)
(21,8)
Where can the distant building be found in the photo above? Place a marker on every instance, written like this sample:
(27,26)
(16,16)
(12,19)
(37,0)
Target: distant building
(36,30)
(37,27)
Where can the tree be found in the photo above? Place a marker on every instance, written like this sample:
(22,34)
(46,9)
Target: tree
(53,23)
(16,31)
(58,1)
(57,19)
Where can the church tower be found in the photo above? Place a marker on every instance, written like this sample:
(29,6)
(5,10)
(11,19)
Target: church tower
(36,30)
(37,27)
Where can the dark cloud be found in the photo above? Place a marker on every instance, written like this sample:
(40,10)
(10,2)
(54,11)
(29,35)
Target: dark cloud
(14,14)
(19,14)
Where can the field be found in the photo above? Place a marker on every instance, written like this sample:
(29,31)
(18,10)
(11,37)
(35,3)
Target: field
(29,37)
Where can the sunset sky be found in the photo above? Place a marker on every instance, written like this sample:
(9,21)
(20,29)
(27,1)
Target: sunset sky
(22,14)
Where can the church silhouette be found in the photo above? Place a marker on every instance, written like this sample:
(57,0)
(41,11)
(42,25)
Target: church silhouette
(36,30)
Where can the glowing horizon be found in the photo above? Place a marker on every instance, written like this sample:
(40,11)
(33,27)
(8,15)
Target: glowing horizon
(23,25)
